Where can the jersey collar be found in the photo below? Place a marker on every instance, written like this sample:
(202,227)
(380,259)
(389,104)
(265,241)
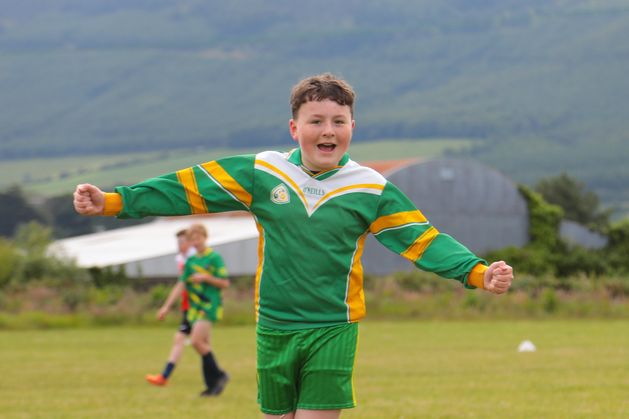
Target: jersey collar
(294,156)
(206,252)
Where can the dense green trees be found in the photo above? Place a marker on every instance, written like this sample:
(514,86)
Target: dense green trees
(56,212)
(578,203)
(547,253)
(15,210)
(25,259)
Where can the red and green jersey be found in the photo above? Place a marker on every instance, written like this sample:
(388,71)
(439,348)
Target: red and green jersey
(203,296)
(180,259)
(312,229)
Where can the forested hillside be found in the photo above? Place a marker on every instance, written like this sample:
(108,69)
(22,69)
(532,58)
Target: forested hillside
(542,84)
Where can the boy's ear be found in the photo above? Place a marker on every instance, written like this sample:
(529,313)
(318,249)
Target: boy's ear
(292,126)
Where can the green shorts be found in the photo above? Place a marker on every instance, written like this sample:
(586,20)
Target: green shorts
(306,369)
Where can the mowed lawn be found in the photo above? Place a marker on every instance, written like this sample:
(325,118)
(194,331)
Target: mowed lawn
(404,370)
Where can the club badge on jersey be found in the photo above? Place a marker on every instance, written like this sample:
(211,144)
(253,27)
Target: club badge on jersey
(280,195)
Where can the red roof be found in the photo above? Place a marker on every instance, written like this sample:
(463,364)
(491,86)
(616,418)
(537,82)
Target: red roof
(386,166)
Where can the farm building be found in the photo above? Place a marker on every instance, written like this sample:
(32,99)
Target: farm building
(148,250)
(476,204)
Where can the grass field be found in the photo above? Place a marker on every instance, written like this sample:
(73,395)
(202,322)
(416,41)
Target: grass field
(56,176)
(404,370)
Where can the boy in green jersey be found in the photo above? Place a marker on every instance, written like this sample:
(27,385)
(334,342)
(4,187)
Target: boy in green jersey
(314,208)
(203,277)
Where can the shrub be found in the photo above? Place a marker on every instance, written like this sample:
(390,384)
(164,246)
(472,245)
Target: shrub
(105,296)
(572,260)
(530,259)
(109,276)
(544,219)
(157,295)
(617,247)
(617,287)
(73,297)
(550,302)
(9,262)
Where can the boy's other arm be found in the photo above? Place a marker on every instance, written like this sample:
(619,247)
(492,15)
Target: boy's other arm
(199,277)
(174,294)
(212,187)
(401,227)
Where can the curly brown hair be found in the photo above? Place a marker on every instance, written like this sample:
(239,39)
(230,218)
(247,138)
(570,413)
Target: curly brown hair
(321,87)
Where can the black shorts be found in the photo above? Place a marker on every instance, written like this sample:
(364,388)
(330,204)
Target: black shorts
(184,326)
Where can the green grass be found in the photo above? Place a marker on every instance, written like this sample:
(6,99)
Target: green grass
(56,176)
(404,369)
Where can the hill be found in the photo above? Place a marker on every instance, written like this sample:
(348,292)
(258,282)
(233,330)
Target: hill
(54,176)
(541,84)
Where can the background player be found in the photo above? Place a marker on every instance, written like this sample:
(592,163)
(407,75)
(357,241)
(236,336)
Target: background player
(204,276)
(184,251)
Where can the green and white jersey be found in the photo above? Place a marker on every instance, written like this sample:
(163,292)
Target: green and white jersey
(312,229)
(203,297)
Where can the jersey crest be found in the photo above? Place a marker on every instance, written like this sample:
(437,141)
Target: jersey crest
(280,195)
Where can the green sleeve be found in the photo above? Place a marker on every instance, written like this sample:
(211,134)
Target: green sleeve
(185,274)
(216,186)
(402,228)
(219,270)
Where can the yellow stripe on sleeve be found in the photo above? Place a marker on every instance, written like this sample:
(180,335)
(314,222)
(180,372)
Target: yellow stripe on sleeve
(396,220)
(419,246)
(227,182)
(189,182)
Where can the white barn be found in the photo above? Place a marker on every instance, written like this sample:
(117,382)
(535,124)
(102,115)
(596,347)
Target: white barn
(148,250)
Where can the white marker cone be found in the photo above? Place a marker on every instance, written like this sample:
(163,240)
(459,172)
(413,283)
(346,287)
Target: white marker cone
(526,346)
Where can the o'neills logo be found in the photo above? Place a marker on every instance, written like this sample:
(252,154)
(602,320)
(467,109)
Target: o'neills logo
(309,190)
(280,195)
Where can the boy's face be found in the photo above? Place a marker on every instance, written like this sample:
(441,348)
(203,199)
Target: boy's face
(198,241)
(183,244)
(323,130)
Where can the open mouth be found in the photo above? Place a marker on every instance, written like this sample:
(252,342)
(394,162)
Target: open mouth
(326,147)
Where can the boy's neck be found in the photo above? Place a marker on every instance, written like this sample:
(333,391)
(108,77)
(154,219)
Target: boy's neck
(295,158)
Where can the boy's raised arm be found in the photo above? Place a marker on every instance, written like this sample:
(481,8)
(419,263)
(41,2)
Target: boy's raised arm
(215,186)
(404,229)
